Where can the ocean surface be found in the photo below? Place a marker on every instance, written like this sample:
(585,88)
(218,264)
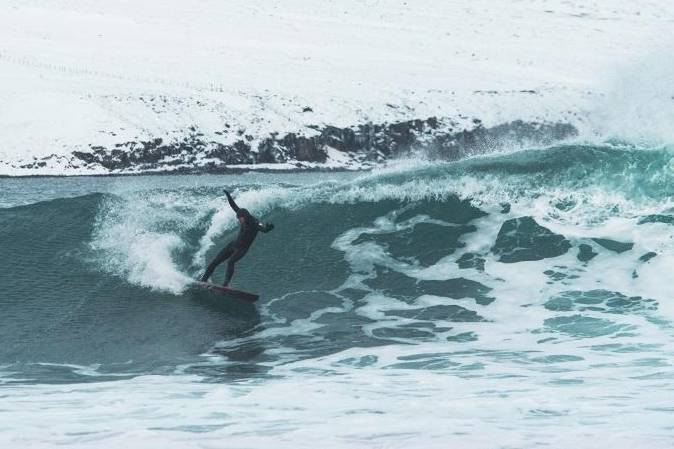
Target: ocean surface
(509,301)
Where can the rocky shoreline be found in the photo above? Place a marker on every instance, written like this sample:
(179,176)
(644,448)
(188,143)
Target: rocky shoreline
(326,147)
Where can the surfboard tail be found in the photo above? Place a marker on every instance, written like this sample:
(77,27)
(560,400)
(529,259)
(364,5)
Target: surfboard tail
(238,294)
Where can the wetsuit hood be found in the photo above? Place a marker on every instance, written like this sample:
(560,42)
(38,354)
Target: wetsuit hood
(243,213)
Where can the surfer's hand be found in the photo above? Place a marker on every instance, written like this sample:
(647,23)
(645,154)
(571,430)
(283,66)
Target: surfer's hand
(270,225)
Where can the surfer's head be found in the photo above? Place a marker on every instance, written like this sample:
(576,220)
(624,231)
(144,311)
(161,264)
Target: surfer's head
(243,215)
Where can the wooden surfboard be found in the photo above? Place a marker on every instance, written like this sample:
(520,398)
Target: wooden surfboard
(238,294)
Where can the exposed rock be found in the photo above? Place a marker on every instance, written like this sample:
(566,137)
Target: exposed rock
(365,143)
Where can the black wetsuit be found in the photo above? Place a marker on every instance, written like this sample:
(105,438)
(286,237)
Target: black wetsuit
(237,248)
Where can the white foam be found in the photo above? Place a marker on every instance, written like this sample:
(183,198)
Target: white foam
(364,407)
(128,243)
(638,106)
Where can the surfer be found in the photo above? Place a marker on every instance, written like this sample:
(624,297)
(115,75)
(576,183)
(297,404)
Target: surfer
(237,248)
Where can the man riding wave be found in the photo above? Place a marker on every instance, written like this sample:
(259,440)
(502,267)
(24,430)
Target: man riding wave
(237,248)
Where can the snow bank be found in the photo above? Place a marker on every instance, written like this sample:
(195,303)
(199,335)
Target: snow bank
(78,74)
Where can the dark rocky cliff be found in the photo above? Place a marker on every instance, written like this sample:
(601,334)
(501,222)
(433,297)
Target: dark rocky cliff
(362,144)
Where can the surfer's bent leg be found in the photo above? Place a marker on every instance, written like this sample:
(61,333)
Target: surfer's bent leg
(226,252)
(238,254)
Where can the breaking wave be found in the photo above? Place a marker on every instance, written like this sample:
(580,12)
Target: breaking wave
(543,271)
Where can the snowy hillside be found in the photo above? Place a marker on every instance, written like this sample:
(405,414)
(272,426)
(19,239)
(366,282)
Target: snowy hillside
(90,87)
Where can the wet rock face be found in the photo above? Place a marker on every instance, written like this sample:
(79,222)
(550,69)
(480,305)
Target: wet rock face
(522,239)
(363,143)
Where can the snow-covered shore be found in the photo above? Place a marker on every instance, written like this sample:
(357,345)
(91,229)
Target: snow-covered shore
(85,84)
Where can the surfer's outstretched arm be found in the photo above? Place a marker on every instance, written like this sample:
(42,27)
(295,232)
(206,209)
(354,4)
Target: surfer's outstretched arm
(265,227)
(232,204)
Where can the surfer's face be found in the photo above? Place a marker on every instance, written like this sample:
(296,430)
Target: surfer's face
(242,220)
